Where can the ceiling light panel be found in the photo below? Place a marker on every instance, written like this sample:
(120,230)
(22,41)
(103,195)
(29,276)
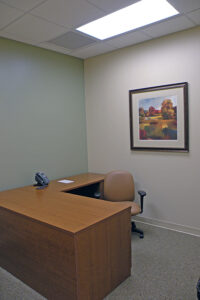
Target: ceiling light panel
(131,17)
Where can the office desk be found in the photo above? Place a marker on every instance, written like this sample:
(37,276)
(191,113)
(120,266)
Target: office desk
(65,246)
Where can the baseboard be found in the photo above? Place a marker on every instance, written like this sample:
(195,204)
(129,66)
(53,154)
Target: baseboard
(168,225)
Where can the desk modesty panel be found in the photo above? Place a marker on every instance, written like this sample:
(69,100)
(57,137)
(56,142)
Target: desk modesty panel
(65,246)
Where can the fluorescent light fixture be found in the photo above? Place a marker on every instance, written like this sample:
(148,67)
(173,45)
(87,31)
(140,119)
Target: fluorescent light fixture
(131,17)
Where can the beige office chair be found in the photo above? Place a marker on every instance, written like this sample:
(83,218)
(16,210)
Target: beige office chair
(119,186)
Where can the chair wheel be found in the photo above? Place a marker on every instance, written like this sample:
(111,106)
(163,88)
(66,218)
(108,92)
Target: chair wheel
(141,235)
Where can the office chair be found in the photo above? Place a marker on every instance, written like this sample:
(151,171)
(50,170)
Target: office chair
(119,186)
(198,289)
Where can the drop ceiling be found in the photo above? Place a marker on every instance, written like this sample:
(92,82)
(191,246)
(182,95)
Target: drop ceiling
(52,24)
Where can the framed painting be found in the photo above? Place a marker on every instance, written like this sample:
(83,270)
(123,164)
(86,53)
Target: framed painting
(159,118)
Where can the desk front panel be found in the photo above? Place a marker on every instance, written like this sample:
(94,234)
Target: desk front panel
(103,256)
(60,265)
(39,255)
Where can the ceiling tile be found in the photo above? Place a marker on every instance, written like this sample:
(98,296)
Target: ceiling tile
(93,50)
(185,5)
(166,27)
(128,39)
(112,5)
(71,13)
(195,16)
(72,40)
(52,47)
(8,14)
(16,37)
(36,29)
(24,5)
(36,22)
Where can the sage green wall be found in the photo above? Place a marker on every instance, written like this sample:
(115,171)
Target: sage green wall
(42,114)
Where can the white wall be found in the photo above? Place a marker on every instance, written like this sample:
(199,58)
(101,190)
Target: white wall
(171,179)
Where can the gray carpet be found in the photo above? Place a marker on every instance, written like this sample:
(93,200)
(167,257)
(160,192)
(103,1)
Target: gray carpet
(165,266)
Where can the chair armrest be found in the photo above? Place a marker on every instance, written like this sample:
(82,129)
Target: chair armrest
(97,195)
(198,289)
(142,195)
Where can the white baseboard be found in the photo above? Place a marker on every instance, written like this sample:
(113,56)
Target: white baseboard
(167,225)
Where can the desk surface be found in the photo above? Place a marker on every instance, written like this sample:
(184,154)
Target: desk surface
(54,206)
(65,246)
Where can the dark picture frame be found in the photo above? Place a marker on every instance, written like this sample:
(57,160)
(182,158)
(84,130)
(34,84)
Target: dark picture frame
(159,118)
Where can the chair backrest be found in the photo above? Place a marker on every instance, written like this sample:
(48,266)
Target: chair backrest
(119,186)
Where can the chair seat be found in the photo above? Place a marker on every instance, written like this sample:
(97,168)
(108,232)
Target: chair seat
(135,208)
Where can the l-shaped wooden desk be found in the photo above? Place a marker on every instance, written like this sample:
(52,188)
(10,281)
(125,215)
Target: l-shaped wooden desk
(63,245)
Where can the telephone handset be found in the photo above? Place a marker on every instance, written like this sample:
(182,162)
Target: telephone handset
(42,180)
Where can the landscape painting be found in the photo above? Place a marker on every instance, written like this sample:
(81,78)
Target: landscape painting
(159,118)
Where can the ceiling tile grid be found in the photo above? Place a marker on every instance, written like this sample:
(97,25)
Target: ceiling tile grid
(128,39)
(93,50)
(24,5)
(195,16)
(169,26)
(72,40)
(55,48)
(8,14)
(184,6)
(34,28)
(109,6)
(52,24)
(16,37)
(71,13)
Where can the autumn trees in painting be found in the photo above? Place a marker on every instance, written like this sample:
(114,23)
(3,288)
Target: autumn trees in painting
(167,110)
(158,118)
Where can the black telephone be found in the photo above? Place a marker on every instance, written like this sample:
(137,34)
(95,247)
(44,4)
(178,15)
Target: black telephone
(42,180)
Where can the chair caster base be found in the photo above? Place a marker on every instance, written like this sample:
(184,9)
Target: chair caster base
(141,236)
(135,229)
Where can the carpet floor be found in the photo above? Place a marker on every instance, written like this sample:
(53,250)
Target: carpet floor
(165,266)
